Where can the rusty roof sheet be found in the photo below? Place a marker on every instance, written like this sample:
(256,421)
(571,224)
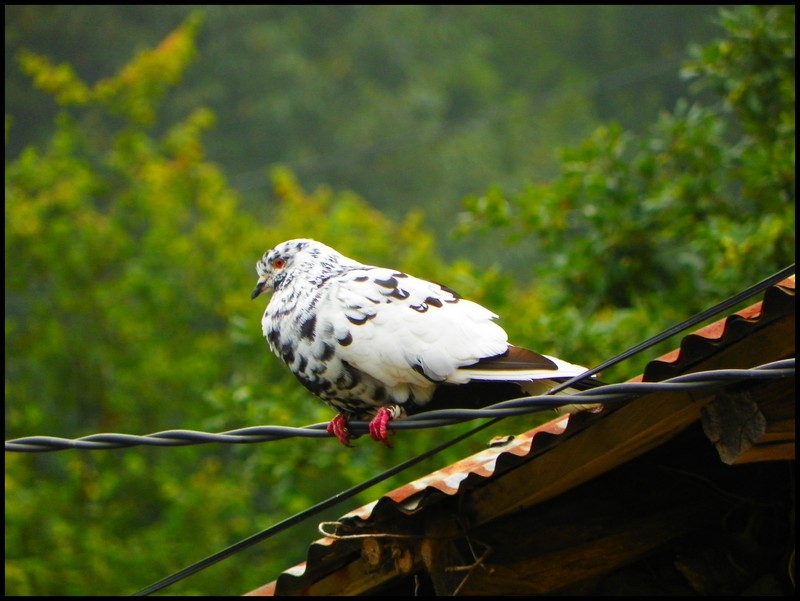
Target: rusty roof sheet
(778,301)
(322,556)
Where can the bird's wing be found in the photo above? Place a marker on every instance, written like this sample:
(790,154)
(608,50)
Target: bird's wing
(519,365)
(401,329)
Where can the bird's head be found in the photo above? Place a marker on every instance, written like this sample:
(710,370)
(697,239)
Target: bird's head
(277,262)
(302,259)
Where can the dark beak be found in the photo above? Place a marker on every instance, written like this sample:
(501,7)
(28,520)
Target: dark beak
(258,289)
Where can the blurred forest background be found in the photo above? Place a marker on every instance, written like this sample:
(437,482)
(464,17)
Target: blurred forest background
(592,174)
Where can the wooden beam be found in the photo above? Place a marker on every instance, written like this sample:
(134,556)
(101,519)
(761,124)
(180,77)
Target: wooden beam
(621,435)
(597,528)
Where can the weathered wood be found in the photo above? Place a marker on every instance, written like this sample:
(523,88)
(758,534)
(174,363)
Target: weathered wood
(594,498)
(590,531)
(362,576)
(621,435)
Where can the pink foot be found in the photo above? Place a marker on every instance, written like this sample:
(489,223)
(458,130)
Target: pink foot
(379,426)
(338,428)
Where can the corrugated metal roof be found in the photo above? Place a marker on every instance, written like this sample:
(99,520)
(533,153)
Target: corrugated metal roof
(778,301)
(326,554)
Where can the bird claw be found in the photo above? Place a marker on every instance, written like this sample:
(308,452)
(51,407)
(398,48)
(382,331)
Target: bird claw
(379,426)
(338,428)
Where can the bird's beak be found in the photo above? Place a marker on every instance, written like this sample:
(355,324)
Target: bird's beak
(259,288)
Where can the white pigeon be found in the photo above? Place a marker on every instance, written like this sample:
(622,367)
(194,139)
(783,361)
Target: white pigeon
(378,344)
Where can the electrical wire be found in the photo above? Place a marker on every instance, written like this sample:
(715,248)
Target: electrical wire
(34,444)
(607,394)
(694,381)
(602,394)
(299,517)
(685,325)
(258,434)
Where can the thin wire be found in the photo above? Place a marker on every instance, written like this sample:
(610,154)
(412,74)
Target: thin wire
(355,490)
(770,370)
(684,325)
(303,515)
(35,444)
(610,393)
(607,394)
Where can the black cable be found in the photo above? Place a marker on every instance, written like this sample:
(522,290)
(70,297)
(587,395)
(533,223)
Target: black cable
(303,515)
(607,394)
(684,325)
(784,368)
(266,433)
(600,395)
(425,420)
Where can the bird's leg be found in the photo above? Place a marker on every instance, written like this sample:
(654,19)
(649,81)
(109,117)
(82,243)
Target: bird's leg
(378,427)
(338,428)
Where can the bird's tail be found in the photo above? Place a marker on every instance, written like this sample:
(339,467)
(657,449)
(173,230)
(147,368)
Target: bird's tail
(517,372)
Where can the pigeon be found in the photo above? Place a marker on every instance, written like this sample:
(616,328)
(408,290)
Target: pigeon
(377,344)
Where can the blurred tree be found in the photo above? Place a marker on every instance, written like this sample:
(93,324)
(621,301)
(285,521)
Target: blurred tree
(411,106)
(695,209)
(129,262)
(128,269)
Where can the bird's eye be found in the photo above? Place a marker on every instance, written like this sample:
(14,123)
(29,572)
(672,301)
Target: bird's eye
(278,263)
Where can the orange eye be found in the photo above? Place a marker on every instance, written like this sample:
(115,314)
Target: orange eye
(279,263)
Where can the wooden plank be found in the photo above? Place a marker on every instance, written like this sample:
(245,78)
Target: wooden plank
(355,578)
(381,560)
(621,435)
(594,529)
(768,452)
(578,456)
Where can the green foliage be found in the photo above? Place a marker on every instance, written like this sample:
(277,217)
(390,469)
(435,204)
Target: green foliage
(111,326)
(695,209)
(410,106)
(129,256)
(134,90)
(753,71)
(129,263)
